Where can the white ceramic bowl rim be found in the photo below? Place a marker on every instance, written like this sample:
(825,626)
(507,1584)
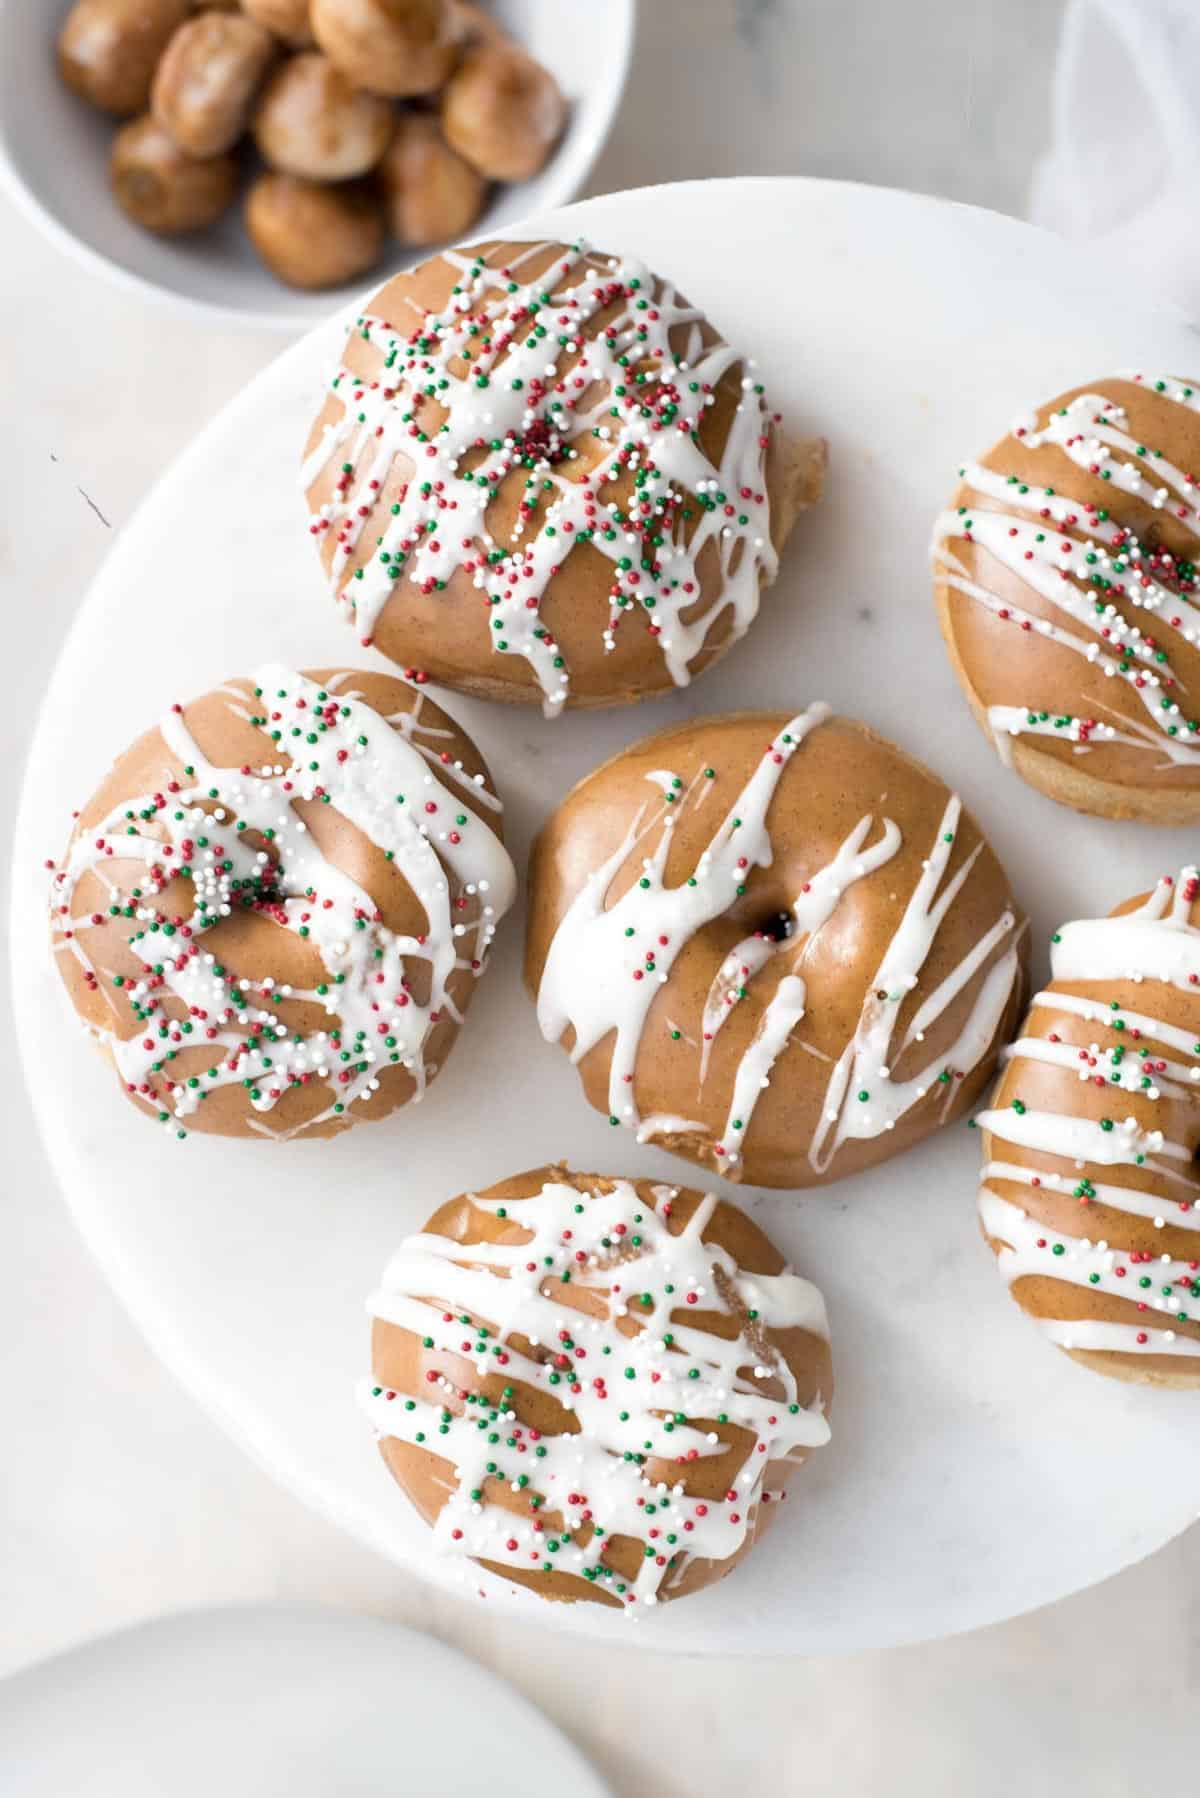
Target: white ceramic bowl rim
(586,134)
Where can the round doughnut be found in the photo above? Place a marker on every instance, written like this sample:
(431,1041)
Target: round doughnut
(272,914)
(1065,575)
(312,234)
(163,190)
(502,111)
(579,511)
(431,194)
(646,1342)
(108,50)
(204,87)
(310,121)
(1091,1193)
(774,945)
(395,47)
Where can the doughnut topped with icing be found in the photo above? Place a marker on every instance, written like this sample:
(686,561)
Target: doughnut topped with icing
(1066,579)
(272,915)
(1090,1194)
(540,475)
(775,945)
(596,1388)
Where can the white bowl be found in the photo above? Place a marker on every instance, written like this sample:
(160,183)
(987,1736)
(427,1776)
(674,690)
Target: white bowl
(54,151)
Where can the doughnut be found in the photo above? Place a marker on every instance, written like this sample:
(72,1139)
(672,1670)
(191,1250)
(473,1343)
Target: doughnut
(503,112)
(1066,585)
(579,511)
(313,234)
(108,50)
(596,1388)
(775,945)
(252,963)
(204,87)
(310,121)
(1090,1194)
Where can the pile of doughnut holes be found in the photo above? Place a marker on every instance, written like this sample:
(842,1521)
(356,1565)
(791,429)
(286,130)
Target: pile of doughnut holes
(370,118)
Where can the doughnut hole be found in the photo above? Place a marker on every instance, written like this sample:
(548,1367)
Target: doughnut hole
(287,20)
(312,235)
(163,190)
(503,112)
(395,47)
(431,194)
(311,122)
(108,50)
(205,85)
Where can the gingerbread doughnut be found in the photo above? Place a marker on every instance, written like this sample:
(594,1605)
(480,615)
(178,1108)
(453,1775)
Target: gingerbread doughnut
(541,475)
(1066,583)
(272,914)
(1091,1194)
(596,1388)
(777,946)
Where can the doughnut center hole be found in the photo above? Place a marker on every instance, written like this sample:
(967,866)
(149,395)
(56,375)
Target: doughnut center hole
(778,926)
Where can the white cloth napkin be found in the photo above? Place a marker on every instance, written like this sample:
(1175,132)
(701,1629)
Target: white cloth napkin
(1123,168)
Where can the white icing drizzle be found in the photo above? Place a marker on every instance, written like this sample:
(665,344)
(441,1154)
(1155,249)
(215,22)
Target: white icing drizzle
(740,965)
(1136,1200)
(861,1098)
(640,1385)
(605,965)
(515,383)
(216,821)
(1081,1140)
(1156,942)
(1036,533)
(1026,1249)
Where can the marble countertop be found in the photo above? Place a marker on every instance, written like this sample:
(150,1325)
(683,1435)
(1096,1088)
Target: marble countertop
(120,1499)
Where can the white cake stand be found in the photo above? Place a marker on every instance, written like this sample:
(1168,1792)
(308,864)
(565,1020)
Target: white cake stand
(975,1472)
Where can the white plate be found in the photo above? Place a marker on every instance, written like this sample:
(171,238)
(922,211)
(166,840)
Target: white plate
(276,1701)
(974,1471)
(54,151)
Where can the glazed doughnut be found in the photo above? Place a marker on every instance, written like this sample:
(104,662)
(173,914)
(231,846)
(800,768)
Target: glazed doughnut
(646,1342)
(254,963)
(777,946)
(579,511)
(1090,1194)
(1065,570)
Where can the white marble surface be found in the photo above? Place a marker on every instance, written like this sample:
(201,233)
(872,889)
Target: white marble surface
(119,1499)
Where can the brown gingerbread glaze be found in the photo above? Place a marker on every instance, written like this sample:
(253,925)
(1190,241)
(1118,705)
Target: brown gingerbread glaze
(240,885)
(1090,1187)
(546,1516)
(517,487)
(1066,586)
(804,1013)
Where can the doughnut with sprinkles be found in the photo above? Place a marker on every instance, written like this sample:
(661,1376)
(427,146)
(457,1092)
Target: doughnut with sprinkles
(541,476)
(272,915)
